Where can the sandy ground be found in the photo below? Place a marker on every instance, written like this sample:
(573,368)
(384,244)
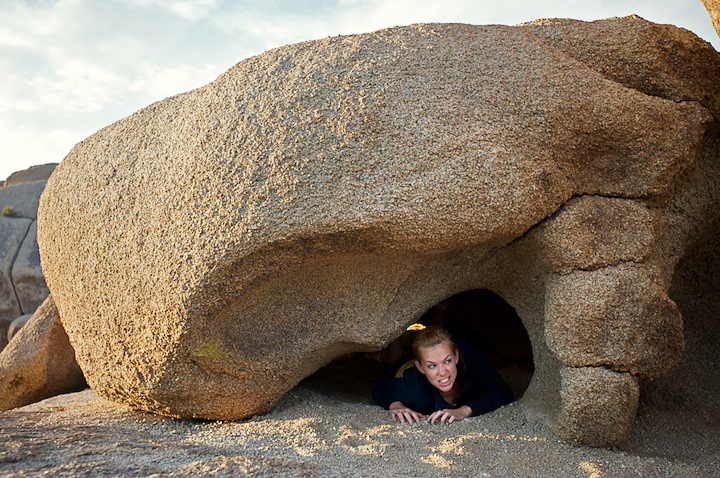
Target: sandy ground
(327,426)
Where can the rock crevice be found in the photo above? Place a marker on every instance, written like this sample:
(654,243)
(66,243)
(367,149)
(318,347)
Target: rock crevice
(12,259)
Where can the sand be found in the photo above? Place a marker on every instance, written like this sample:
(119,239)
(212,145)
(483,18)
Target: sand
(327,426)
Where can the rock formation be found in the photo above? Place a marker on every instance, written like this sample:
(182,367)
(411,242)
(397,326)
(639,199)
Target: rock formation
(22,285)
(39,362)
(220,245)
(13,232)
(32,174)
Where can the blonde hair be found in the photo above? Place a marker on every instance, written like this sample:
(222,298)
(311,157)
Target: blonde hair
(429,338)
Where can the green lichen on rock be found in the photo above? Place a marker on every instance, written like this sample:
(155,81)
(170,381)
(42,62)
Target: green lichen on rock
(210,352)
(9,211)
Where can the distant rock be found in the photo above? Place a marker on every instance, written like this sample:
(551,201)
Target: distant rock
(27,274)
(5,323)
(12,235)
(221,245)
(39,362)
(22,284)
(34,173)
(22,199)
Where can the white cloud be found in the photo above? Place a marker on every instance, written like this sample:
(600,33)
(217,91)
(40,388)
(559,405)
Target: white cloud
(166,81)
(24,145)
(76,85)
(193,9)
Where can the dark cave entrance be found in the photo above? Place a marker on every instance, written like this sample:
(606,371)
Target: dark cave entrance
(479,315)
(484,318)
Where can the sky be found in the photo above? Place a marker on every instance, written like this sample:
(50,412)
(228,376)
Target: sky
(71,67)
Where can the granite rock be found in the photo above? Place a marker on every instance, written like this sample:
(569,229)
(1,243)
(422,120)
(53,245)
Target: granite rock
(665,60)
(22,285)
(27,275)
(12,234)
(22,198)
(599,405)
(590,232)
(616,317)
(39,362)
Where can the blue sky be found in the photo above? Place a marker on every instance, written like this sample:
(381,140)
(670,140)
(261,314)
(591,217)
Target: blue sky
(71,67)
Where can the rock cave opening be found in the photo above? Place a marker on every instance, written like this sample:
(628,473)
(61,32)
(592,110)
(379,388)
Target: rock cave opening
(479,315)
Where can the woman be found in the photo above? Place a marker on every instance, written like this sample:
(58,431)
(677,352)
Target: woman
(449,382)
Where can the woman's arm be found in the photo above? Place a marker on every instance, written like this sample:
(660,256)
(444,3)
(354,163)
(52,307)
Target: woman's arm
(406,397)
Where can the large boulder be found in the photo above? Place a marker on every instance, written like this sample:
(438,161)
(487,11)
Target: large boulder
(39,362)
(221,245)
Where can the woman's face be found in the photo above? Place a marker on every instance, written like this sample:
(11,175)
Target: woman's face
(439,364)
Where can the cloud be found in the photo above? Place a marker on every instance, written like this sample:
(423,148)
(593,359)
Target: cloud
(170,80)
(25,145)
(73,66)
(78,55)
(192,10)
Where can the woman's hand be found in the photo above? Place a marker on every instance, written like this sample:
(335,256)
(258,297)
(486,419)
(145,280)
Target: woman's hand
(399,412)
(450,415)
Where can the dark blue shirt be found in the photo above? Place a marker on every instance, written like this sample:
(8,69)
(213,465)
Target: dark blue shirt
(481,388)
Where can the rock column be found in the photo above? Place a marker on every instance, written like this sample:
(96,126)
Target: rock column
(608,327)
